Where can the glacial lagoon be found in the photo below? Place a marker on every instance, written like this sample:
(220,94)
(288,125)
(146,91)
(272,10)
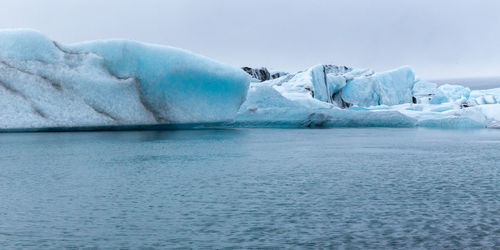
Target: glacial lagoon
(251,188)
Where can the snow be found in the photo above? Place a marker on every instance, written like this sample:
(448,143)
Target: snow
(107,83)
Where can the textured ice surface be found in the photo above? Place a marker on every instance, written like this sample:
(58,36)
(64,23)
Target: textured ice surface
(179,86)
(44,84)
(337,96)
(266,107)
(388,88)
(451,93)
(423,91)
(104,83)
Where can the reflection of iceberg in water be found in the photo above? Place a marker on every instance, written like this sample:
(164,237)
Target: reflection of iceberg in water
(121,84)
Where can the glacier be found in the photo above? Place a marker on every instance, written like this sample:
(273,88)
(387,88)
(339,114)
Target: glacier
(104,84)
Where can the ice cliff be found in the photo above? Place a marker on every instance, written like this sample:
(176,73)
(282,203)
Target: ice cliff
(46,84)
(106,83)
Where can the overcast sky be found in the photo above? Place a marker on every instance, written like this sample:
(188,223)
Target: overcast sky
(439,39)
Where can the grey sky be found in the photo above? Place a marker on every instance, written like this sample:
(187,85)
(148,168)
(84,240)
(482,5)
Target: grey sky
(439,39)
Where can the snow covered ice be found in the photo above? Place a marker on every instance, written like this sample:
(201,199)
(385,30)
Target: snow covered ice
(45,84)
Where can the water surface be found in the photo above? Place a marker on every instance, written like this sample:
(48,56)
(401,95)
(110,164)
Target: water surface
(350,188)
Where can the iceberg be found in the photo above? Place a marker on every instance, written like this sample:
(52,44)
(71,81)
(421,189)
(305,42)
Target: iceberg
(344,86)
(423,91)
(340,96)
(387,88)
(267,107)
(45,84)
(450,93)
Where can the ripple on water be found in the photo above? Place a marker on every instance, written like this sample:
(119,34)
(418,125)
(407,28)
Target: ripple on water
(252,188)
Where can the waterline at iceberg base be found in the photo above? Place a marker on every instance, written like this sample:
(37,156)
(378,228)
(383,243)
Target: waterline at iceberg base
(119,84)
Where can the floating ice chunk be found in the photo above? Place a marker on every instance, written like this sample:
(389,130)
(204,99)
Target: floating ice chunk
(424,88)
(481,97)
(105,83)
(451,93)
(454,118)
(264,97)
(321,82)
(362,92)
(493,92)
(423,91)
(327,80)
(179,85)
(491,112)
(490,99)
(266,107)
(484,99)
(388,88)
(293,104)
(67,90)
